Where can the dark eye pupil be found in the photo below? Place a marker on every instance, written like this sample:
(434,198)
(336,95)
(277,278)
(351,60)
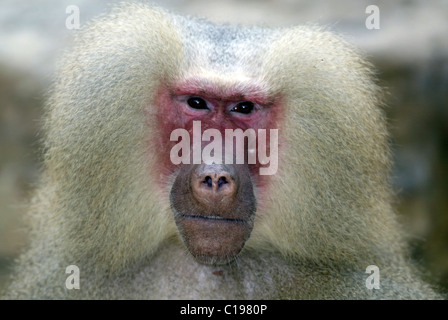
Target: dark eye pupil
(197,103)
(244,107)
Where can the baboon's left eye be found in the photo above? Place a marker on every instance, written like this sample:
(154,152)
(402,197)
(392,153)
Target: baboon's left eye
(244,107)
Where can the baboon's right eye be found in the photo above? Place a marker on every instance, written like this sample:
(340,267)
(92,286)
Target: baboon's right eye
(197,103)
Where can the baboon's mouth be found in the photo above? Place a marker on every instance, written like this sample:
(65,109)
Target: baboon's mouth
(213,239)
(213,217)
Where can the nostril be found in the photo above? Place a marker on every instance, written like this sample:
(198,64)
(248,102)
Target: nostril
(208,181)
(221,181)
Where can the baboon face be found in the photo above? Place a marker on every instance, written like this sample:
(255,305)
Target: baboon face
(213,199)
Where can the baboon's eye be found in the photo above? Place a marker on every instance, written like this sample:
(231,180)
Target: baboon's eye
(244,107)
(197,103)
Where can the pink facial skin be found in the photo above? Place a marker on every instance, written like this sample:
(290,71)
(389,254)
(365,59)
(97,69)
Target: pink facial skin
(174,112)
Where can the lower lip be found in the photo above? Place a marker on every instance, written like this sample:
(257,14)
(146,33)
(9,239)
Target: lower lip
(212,218)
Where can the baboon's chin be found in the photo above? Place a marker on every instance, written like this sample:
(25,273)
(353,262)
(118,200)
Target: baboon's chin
(213,240)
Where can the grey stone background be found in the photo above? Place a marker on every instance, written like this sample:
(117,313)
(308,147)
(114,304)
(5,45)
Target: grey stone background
(410,51)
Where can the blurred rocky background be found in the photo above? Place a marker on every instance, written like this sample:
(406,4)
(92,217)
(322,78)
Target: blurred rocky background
(410,51)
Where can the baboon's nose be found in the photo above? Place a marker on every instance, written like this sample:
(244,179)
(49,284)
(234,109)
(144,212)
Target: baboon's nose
(213,182)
